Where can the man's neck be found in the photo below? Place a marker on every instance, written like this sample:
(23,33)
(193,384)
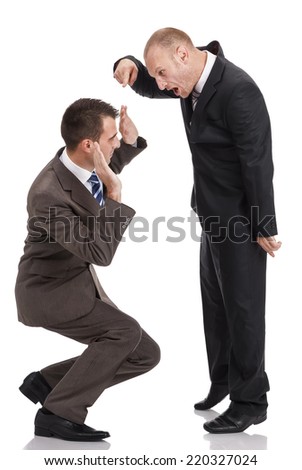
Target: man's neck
(79,159)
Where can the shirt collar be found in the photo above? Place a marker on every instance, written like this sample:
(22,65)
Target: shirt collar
(206,72)
(82,174)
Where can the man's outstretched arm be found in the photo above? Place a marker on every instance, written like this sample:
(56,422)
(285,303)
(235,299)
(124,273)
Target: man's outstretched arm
(130,71)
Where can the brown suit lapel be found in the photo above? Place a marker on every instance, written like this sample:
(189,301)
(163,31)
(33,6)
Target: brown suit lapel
(78,192)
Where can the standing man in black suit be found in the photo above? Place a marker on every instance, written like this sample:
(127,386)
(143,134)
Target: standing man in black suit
(228,130)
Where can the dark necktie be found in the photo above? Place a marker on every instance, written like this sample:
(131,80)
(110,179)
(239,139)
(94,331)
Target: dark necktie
(195,96)
(97,188)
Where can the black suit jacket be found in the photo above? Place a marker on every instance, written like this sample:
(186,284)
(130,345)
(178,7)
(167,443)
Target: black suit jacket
(229,135)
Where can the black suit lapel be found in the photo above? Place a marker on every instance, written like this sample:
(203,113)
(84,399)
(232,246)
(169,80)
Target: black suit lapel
(187,111)
(191,118)
(209,88)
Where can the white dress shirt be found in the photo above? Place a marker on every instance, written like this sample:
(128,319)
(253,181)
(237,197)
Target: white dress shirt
(82,174)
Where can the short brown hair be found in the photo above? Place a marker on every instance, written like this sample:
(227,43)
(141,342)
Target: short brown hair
(83,119)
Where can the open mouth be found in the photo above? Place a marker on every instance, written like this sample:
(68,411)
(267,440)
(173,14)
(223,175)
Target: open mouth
(175,90)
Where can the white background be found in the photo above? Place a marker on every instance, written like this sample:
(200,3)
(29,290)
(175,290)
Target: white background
(54,52)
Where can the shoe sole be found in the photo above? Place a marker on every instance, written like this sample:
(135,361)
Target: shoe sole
(42,432)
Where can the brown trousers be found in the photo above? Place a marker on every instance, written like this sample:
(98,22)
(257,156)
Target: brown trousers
(118,349)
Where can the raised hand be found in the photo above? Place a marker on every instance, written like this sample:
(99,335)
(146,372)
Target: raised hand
(104,172)
(127,128)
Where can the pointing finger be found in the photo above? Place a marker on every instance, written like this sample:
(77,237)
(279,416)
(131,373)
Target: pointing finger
(125,79)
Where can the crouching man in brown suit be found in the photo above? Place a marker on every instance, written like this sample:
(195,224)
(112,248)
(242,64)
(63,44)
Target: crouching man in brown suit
(76,219)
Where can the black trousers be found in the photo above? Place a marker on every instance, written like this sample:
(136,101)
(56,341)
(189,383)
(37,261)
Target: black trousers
(233,277)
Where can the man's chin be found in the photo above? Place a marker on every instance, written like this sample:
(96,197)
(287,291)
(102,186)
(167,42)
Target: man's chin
(108,159)
(181,93)
(184,94)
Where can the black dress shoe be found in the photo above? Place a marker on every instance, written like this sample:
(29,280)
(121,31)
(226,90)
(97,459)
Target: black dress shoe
(216,394)
(233,420)
(35,387)
(50,425)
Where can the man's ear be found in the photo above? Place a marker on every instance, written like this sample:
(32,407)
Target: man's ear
(182,54)
(86,145)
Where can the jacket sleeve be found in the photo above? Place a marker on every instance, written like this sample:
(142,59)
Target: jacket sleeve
(249,123)
(145,85)
(93,238)
(123,155)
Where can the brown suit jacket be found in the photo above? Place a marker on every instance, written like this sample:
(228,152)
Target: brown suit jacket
(68,232)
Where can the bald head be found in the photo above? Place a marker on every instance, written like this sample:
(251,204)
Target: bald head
(168,38)
(173,61)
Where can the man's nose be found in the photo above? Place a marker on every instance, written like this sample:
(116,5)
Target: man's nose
(161,83)
(117,143)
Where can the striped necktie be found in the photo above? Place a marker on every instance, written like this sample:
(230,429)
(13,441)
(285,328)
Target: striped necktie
(195,96)
(97,188)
